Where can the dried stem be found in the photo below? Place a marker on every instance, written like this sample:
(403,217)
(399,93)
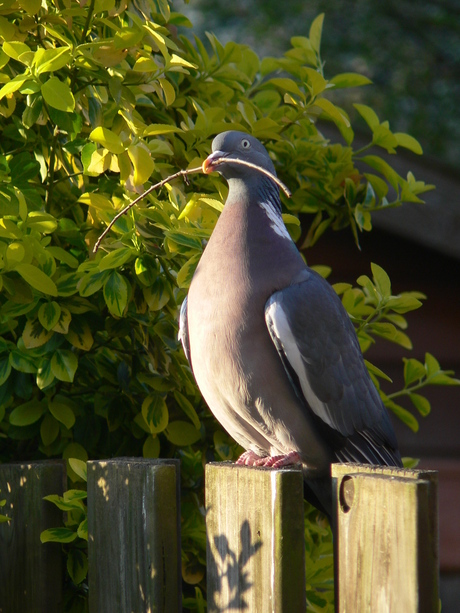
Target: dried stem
(181,173)
(259,168)
(185,173)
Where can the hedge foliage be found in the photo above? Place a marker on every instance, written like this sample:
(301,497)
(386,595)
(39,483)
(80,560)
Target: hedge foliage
(98,101)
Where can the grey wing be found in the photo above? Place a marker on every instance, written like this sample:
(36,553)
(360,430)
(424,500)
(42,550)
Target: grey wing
(317,344)
(183,330)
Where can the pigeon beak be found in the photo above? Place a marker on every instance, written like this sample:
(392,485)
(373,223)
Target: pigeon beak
(213,160)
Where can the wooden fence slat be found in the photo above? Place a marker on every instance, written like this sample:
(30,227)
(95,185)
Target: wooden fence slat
(387,556)
(255,539)
(134,536)
(30,572)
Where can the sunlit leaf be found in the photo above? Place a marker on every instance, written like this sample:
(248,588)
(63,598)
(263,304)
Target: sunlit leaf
(116,293)
(64,364)
(58,535)
(37,279)
(108,139)
(58,95)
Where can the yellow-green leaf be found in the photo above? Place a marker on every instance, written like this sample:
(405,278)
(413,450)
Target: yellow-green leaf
(63,323)
(160,128)
(108,139)
(37,279)
(151,447)
(44,374)
(63,256)
(27,413)
(349,79)
(79,335)
(58,535)
(409,142)
(421,403)
(61,411)
(336,114)
(188,409)
(179,61)
(13,85)
(5,370)
(168,91)
(182,433)
(48,314)
(49,429)
(30,6)
(117,258)
(64,364)
(18,51)
(58,95)
(368,114)
(145,64)
(143,164)
(52,59)
(98,201)
(288,85)
(79,467)
(185,274)
(35,335)
(155,412)
(316,29)
(77,560)
(74,450)
(116,293)
(381,280)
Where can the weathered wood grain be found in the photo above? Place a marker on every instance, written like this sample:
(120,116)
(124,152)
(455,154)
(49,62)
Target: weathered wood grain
(255,539)
(386,555)
(30,572)
(134,536)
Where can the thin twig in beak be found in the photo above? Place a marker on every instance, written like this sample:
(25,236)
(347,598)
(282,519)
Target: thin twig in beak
(185,173)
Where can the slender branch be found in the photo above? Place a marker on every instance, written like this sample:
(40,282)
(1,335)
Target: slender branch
(52,163)
(181,173)
(87,22)
(259,168)
(185,173)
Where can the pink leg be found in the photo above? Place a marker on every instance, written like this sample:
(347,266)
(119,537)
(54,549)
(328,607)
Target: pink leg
(248,458)
(277,461)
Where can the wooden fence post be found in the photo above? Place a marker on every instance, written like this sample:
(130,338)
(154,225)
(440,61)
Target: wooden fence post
(30,572)
(387,557)
(134,561)
(255,539)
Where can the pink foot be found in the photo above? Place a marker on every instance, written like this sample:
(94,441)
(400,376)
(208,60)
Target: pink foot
(248,458)
(277,461)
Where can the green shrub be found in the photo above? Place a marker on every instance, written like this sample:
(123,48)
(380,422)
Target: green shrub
(99,101)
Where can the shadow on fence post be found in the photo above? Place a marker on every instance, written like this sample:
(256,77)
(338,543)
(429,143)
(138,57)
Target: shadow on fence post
(255,539)
(386,545)
(134,559)
(30,572)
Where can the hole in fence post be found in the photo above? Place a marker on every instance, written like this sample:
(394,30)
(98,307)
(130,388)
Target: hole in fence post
(347,493)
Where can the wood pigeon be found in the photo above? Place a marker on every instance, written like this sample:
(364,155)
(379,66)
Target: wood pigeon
(272,349)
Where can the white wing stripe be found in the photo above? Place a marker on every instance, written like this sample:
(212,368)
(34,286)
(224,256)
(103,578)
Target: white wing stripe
(278,325)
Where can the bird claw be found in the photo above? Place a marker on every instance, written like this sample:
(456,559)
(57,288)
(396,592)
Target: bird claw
(278,461)
(249,458)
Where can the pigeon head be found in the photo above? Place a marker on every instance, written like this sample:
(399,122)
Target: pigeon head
(233,145)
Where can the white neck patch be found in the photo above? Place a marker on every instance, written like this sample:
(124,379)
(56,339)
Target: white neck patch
(277,223)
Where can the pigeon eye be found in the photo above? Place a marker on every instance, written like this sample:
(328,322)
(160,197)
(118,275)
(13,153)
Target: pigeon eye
(245,143)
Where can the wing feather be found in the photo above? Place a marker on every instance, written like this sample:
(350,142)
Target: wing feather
(317,344)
